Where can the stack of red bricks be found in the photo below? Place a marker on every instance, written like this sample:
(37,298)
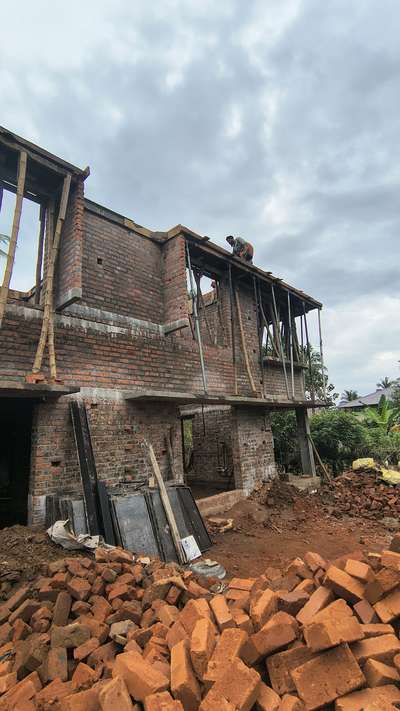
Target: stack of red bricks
(363,494)
(118,634)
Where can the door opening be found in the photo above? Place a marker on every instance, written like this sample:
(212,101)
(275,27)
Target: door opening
(15,453)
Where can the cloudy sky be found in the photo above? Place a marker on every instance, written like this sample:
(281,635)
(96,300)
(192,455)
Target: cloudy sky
(278,120)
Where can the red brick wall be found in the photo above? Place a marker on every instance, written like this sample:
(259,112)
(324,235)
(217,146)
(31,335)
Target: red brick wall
(174,279)
(208,446)
(253,447)
(118,430)
(129,280)
(68,273)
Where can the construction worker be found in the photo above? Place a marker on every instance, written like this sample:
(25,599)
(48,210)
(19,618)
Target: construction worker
(240,248)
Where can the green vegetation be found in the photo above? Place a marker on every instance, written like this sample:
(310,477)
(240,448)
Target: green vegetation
(341,436)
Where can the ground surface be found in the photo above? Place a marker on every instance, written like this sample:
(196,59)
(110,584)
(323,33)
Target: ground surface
(275,529)
(277,525)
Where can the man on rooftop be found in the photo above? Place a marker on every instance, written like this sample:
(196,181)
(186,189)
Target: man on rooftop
(240,248)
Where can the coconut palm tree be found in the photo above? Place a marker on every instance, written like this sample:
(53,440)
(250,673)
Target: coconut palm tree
(385,383)
(350,395)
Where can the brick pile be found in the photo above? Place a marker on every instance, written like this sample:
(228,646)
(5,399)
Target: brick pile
(362,494)
(118,634)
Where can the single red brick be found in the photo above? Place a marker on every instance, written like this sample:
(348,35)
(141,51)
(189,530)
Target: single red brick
(79,588)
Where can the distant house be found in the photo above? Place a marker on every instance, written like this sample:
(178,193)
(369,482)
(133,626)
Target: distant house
(371,400)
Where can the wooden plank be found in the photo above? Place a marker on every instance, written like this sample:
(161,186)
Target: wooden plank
(243,340)
(167,506)
(233,342)
(48,299)
(14,234)
(39,261)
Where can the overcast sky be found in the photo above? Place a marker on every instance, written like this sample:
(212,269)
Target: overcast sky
(275,120)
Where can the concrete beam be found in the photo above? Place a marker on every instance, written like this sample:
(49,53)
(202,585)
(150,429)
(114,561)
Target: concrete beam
(306,452)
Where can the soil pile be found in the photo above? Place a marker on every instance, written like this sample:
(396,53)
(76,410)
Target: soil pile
(22,554)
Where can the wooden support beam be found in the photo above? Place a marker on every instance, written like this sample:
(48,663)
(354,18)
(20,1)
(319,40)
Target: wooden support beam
(280,341)
(243,341)
(290,343)
(39,261)
(167,506)
(233,331)
(14,234)
(47,332)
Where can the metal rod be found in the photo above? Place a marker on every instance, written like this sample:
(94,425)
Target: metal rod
(196,320)
(309,355)
(280,342)
(290,335)
(260,330)
(321,351)
(231,296)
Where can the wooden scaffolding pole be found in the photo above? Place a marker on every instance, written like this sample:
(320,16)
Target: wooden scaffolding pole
(260,332)
(196,319)
(321,352)
(14,234)
(233,331)
(280,341)
(243,341)
(290,336)
(39,261)
(308,348)
(47,331)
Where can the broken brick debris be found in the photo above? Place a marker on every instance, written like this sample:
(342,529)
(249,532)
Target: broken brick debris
(131,634)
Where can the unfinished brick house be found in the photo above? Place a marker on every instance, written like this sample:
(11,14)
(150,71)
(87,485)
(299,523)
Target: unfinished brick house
(159,333)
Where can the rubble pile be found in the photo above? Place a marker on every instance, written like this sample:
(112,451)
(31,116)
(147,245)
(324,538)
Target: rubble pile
(362,494)
(115,632)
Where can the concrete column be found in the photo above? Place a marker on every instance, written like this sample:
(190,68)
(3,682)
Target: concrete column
(306,452)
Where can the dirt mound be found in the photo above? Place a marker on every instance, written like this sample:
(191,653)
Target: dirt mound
(23,551)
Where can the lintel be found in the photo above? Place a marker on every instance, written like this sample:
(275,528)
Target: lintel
(187,398)
(48,391)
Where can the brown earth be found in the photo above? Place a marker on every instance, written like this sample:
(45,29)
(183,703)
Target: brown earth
(280,523)
(23,551)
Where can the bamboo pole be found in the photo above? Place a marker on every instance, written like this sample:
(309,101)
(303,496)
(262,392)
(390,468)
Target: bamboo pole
(167,507)
(290,336)
(39,261)
(280,342)
(309,356)
(14,234)
(243,340)
(321,351)
(196,320)
(269,334)
(48,298)
(233,331)
(260,331)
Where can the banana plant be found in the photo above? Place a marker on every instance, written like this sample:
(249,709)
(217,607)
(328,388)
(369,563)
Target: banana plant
(384,416)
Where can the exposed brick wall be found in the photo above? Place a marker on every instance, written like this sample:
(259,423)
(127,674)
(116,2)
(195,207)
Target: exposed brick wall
(209,447)
(274,381)
(118,430)
(253,448)
(129,280)
(174,279)
(68,274)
